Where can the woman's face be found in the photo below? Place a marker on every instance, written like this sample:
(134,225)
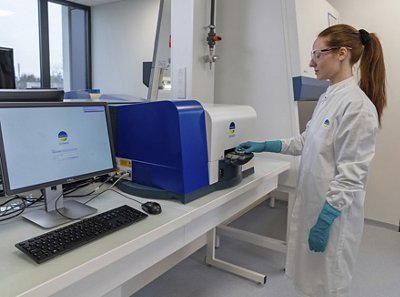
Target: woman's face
(325,60)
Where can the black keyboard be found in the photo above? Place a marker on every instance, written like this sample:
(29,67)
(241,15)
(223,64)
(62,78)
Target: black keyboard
(54,243)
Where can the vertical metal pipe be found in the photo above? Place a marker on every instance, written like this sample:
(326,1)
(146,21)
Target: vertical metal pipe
(212,12)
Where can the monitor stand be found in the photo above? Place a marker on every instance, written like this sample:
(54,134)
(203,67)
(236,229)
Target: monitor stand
(50,217)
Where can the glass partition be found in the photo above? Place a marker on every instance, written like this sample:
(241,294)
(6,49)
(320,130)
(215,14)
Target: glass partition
(160,76)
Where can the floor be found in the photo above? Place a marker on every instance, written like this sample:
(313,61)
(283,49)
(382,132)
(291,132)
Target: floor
(377,272)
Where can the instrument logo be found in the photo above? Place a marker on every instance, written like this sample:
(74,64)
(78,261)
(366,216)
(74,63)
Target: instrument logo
(62,136)
(232,129)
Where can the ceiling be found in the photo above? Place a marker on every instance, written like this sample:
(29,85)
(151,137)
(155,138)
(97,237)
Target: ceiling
(93,2)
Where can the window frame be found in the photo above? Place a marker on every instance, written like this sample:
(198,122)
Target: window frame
(44,43)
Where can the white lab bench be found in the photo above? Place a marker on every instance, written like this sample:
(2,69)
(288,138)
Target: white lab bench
(123,262)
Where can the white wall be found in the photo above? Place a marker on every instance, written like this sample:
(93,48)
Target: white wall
(189,22)
(259,55)
(382,17)
(123,35)
(254,69)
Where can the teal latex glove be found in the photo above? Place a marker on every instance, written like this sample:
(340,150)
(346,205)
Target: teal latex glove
(319,234)
(274,146)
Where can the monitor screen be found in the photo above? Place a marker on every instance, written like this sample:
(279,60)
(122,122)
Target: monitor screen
(7,74)
(44,145)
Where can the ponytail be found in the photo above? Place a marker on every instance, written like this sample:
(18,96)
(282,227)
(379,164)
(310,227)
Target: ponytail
(373,74)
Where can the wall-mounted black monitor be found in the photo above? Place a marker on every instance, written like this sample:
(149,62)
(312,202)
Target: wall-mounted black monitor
(44,145)
(7,74)
(31,95)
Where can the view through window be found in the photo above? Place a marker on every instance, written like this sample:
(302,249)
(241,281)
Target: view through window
(19,30)
(68,44)
(56,46)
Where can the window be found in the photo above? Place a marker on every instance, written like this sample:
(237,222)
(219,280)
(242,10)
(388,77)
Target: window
(51,46)
(69,45)
(56,46)
(19,30)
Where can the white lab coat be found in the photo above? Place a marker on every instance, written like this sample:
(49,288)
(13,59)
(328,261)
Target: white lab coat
(337,148)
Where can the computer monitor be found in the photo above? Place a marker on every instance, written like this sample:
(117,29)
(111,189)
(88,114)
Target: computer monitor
(7,74)
(31,95)
(43,145)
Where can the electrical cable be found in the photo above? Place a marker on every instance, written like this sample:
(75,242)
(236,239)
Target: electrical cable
(93,191)
(95,196)
(8,217)
(125,196)
(13,210)
(119,178)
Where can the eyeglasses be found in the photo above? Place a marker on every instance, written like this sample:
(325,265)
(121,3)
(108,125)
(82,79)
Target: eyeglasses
(316,54)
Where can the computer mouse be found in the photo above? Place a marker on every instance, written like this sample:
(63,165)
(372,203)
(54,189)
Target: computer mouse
(151,207)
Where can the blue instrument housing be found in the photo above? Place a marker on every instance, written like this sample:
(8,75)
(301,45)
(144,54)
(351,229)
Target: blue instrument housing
(167,144)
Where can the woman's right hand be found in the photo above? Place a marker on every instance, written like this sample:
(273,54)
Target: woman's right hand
(274,146)
(251,147)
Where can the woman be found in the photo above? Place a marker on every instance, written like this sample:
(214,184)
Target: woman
(337,148)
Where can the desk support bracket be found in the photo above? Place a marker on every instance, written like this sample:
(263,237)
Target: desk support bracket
(252,238)
(248,237)
(223,265)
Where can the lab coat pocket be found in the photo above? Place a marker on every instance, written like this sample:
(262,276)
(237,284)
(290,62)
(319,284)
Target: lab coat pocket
(346,235)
